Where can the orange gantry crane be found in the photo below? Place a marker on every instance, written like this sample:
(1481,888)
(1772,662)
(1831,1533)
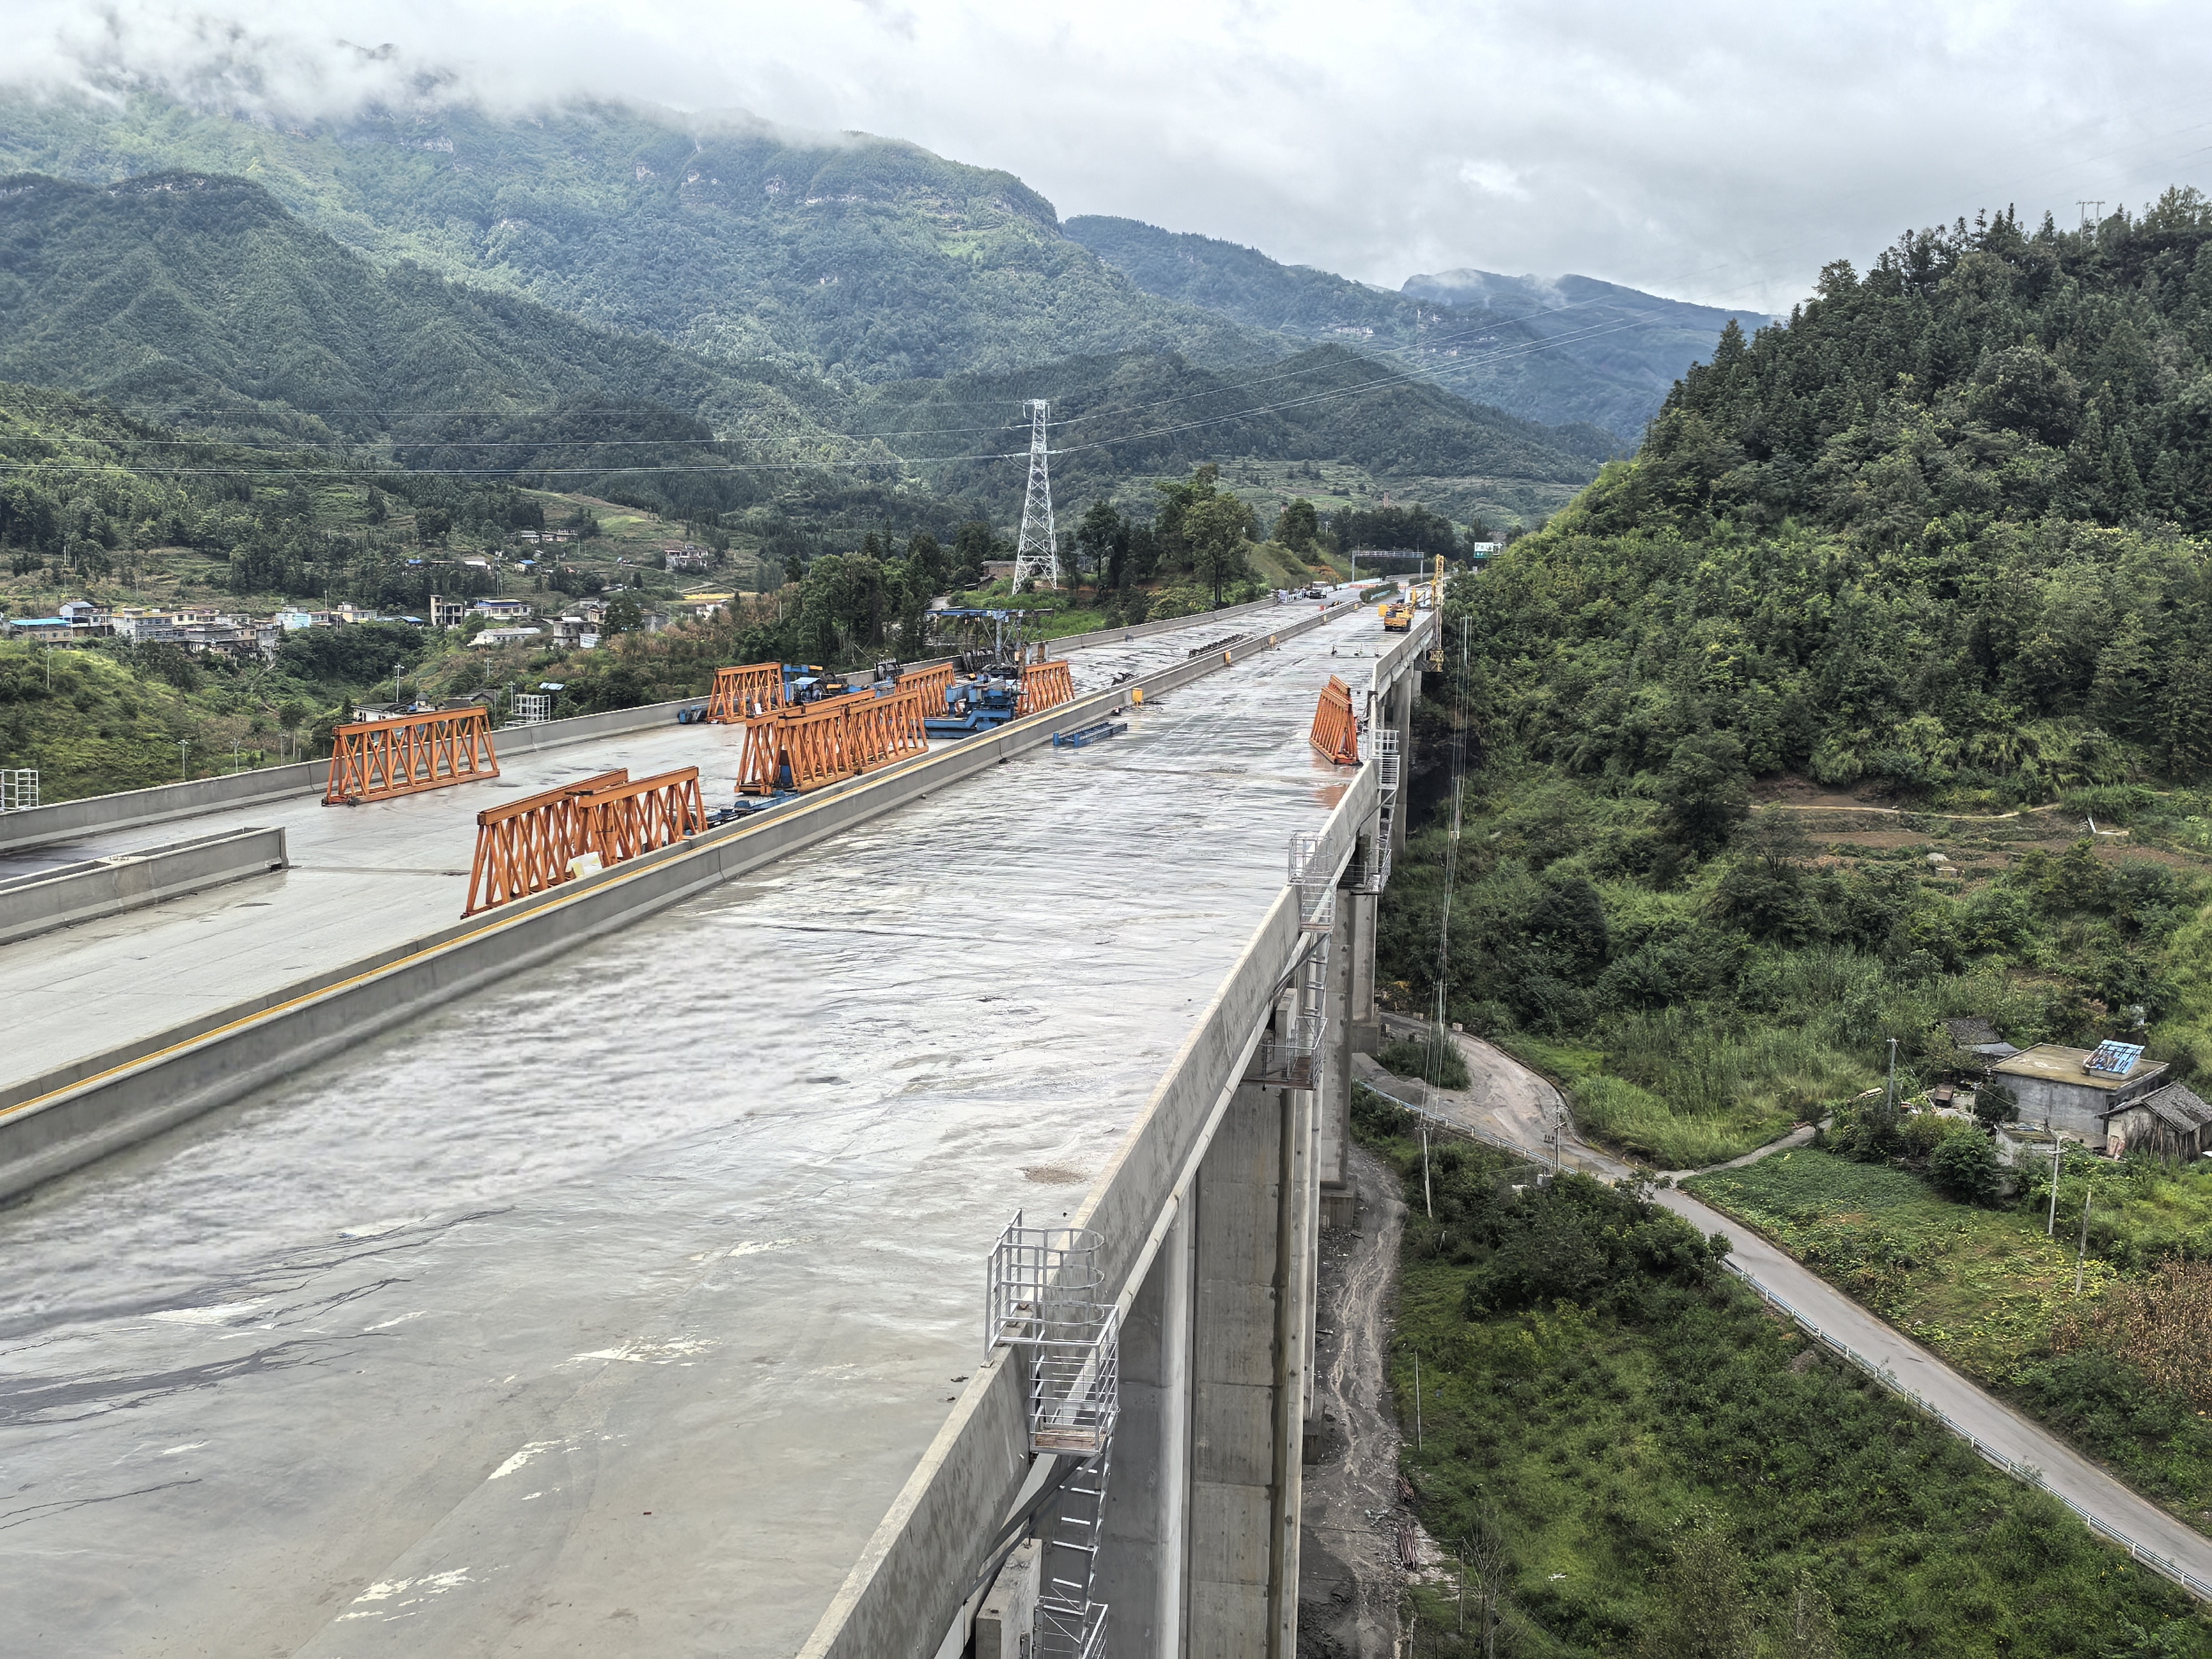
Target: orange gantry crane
(525,846)
(821,743)
(376,760)
(1335,726)
(744,691)
(1045,685)
(529,845)
(936,679)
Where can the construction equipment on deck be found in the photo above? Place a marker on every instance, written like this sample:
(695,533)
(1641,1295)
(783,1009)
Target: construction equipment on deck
(744,691)
(806,746)
(525,846)
(1045,685)
(1084,737)
(624,820)
(377,759)
(1336,725)
(1397,616)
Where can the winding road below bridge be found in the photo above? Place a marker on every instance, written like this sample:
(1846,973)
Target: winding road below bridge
(1506,1103)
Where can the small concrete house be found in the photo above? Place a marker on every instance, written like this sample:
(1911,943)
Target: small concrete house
(2168,1122)
(2056,1086)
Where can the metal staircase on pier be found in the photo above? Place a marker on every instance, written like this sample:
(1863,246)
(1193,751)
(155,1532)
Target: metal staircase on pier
(1040,1299)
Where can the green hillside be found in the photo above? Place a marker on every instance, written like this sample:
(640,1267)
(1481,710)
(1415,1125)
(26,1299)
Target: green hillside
(196,297)
(1574,351)
(1138,415)
(1928,548)
(848,256)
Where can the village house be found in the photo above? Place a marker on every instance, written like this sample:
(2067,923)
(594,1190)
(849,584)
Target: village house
(2075,1090)
(2169,1122)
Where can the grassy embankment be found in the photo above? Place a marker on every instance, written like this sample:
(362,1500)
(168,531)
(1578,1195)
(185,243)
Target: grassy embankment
(1694,1010)
(1662,1468)
(1987,1289)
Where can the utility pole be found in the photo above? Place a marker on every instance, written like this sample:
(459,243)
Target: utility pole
(182,776)
(1417,1400)
(2050,1227)
(2088,218)
(1427,1203)
(1038,553)
(2081,1261)
(1889,1101)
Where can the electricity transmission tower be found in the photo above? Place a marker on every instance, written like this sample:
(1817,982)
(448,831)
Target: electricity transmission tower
(1038,555)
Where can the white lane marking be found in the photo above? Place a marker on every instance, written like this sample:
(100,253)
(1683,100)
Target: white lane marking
(220,1313)
(172,1450)
(378,1228)
(650,1353)
(524,1455)
(433,1583)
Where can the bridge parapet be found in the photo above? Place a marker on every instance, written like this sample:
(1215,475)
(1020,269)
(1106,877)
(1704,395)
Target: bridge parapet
(971,1499)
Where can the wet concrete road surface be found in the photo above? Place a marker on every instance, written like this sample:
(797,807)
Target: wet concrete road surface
(606,1311)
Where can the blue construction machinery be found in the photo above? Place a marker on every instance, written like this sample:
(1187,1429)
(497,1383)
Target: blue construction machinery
(1085,736)
(979,701)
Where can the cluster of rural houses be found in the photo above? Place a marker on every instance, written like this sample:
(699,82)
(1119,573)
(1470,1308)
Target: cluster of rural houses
(2109,1098)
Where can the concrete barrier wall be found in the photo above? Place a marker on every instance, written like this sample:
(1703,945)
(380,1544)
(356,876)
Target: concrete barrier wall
(74,1114)
(906,1588)
(97,814)
(101,887)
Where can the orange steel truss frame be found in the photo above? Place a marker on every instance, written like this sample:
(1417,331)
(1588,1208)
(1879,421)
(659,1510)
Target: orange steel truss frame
(376,760)
(932,682)
(624,820)
(525,846)
(742,692)
(1045,685)
(1335,728)
(827,742)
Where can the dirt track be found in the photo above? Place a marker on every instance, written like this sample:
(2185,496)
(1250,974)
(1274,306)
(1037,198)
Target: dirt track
(1349,1579)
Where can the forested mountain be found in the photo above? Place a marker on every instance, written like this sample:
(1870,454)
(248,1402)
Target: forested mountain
(1934,542)
(849,256)
(196,294)
(1142,413)
(196,298)
(1577,351)
(1934,531)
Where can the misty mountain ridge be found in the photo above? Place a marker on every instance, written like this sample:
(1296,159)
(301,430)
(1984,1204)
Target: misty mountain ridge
(196,299)
(1560,351)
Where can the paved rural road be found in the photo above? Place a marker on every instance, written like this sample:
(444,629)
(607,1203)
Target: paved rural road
(1505,1101)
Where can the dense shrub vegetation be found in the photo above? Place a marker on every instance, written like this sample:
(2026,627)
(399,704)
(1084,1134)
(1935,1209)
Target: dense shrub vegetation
(1648,1463)
(2116,1367)
(1932,541)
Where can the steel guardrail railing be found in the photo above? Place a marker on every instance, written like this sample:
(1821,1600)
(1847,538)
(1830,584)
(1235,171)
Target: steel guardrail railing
(2027,1473)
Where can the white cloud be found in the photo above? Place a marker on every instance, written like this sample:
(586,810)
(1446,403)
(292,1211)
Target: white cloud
(1720,149)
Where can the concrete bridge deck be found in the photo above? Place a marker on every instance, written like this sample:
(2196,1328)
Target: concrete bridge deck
(608,1310)
(362,879)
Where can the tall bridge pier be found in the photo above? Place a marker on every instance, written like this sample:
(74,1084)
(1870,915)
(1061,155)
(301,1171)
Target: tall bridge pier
(1204,1232)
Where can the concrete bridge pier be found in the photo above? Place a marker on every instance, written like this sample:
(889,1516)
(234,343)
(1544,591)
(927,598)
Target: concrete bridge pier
(1201,1537)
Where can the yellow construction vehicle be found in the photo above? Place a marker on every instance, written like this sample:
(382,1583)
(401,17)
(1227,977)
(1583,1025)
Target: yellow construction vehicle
(1397,616)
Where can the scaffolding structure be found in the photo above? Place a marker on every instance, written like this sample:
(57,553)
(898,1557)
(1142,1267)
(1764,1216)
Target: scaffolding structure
(1038,554)
(532,708)
(19,789)
(1040,1297)
(1375,867)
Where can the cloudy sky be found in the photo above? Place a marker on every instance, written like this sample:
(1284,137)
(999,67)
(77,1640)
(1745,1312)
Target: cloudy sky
(1715,149)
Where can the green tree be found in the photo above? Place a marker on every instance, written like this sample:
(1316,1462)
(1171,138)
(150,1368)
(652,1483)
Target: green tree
(1700,1610)
(624,615)
(1704,790)
(1298,527)
(1964,1166)
(1097,537)
(1215,529)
